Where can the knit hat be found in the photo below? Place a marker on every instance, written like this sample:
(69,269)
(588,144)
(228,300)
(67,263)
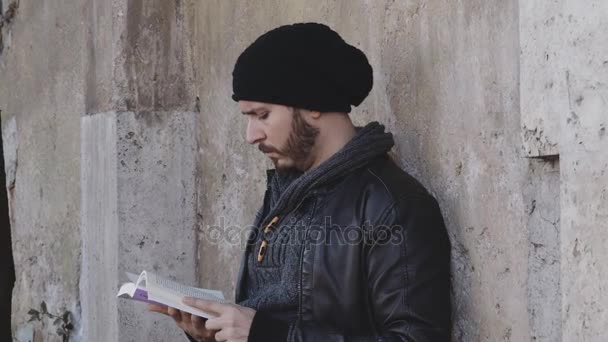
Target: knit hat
(304,65)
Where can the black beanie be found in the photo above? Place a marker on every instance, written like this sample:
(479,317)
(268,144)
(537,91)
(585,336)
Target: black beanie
(306,65)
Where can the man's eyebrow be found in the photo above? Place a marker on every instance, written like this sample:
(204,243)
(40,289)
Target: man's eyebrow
(254,111)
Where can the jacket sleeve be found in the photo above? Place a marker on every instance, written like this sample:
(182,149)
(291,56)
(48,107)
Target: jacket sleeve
(408,280)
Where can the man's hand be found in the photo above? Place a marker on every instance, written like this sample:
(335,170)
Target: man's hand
(191,324)
(232,323)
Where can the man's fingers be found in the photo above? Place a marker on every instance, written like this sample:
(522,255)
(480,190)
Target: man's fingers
(214,324)
(173,312)
(198,322)
(209,306)
(186,318)
(158,308)
(223,334)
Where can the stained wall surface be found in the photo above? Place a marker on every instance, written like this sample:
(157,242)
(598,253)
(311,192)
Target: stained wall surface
(98,123)
(41,81)
(446,84)
(123,151)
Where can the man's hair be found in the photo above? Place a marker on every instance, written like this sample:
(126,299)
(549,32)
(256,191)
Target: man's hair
(392,155)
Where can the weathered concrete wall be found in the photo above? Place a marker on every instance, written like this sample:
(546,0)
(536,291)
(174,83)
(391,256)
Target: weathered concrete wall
(140,136)
(41,100)
(123,150)
(138,213)
(101,154)
(542,197)
(584,160)
(446,84)
(100,226)
(564,77)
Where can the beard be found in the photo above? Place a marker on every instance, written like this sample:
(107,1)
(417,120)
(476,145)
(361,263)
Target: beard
(299,145)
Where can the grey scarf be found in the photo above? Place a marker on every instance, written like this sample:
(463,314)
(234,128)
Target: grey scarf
(265,287)
(288,189)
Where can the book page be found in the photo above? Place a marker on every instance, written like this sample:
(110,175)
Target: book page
(171,293)
(186,291)
(150,288)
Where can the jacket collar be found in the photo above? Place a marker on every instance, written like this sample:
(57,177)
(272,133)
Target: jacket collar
(318,190)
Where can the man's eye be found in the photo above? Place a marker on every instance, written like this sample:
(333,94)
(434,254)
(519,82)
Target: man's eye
(264,116)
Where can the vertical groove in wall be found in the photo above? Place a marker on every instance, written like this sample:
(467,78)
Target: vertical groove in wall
(542,196)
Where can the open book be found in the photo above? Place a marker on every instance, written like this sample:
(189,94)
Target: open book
(150,288)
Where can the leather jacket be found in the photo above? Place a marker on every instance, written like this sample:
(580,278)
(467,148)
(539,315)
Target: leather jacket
(379,272)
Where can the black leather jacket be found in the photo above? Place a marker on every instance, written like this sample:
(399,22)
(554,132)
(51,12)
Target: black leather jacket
(385,273)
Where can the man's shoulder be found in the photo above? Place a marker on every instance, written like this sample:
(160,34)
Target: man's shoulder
(392,194)
(368,191)
(383,178)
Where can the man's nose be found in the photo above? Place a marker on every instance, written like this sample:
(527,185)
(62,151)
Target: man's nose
(254,133)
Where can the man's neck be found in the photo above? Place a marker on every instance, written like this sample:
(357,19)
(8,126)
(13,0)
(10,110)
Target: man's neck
(330,141)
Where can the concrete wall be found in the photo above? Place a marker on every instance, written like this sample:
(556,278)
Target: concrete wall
(41,100)
(446,84)
(140,139)
(98,123)
(448,79)
(120,136)
(564,76)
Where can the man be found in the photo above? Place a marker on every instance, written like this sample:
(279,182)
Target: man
(347,246)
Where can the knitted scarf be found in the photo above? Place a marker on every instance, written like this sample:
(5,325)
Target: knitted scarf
(289,188)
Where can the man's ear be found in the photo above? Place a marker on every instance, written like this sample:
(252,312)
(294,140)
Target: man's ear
(314,114)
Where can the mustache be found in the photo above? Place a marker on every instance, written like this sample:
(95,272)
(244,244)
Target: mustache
(266,149)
